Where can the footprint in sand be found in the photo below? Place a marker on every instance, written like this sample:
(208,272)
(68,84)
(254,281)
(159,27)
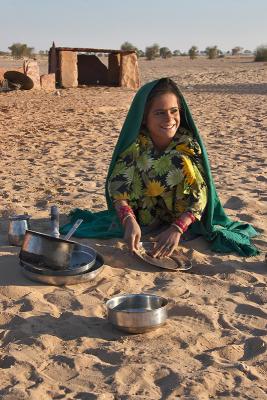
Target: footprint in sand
(234,203)
(60,368)
(106,356)
(64,300)
(245,217)
(191,317)
(246,318)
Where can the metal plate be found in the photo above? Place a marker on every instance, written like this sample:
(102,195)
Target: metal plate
(72,270)
(176,262)
(67,280)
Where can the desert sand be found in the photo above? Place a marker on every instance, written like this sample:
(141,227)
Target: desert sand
(56,342)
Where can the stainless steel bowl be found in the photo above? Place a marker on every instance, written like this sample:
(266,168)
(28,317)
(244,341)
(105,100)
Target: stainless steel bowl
(137,313)
(41,249)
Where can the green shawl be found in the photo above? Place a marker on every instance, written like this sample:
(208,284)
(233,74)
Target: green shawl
(224,234)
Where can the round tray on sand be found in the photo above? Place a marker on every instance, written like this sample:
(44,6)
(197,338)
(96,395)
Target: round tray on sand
(85,276)
(177,262)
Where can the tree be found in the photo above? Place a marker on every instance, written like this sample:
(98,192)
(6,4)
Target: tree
(236,50)
(193,52)
(127,46)
(212,52)
(176,53)
(165,52)
(152,51)
(19,50)
(261,53)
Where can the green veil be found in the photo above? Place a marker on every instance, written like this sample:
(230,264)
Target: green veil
(224,234)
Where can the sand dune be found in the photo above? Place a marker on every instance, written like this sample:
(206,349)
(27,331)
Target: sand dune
(55,341)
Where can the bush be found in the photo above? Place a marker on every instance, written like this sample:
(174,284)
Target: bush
(152,52)
(193,52)
(212,52)
(261,53)
(19,50)
(165,52)
(127,46)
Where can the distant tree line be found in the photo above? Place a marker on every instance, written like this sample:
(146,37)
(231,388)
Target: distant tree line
(20,50)
(212,52)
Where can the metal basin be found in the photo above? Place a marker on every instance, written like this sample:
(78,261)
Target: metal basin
(62,280)
(82,260)
(137,313)
(45,250)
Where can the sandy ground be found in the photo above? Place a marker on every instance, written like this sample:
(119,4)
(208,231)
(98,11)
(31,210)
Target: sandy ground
(55,341)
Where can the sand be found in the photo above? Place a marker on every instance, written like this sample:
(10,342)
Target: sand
(56,342)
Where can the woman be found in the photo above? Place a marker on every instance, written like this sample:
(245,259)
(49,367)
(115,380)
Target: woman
(157,179)
(177,190)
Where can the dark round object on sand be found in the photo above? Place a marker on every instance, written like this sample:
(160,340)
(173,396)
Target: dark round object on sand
(19,80)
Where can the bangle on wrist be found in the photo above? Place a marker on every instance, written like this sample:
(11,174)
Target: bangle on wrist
(182,225)
(191,216)
(179,229)
(126,217)
(123,212)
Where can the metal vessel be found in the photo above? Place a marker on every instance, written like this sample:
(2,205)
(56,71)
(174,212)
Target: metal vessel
(61,280)
(137,313)
(18,224)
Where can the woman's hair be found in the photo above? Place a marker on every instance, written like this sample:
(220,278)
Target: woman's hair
(164,86)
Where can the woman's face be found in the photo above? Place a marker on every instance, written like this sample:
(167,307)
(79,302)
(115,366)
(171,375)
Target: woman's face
(163,119)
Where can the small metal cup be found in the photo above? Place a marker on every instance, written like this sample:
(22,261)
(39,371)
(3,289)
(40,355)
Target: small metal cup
(18,224)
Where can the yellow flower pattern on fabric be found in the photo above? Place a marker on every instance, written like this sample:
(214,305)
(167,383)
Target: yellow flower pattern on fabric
(154,188)
(121,196)
(188,170)
(183,148)
(143,140)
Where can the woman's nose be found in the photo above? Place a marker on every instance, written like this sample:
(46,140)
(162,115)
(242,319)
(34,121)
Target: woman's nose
(168,115)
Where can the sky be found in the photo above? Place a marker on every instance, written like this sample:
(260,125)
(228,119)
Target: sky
(176,24)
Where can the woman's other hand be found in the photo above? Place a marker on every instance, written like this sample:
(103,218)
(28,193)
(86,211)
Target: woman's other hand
(132,233)
(166,243)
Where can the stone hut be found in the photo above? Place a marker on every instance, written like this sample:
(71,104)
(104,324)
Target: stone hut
(81,66)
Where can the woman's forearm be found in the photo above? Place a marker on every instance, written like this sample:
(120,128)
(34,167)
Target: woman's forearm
(124,211)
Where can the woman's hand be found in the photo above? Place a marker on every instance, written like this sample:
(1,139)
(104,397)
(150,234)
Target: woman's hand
(167,242)
(132,233)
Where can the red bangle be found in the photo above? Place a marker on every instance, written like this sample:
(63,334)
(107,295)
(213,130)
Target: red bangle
(179,222)
(123,212)
(191,216)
